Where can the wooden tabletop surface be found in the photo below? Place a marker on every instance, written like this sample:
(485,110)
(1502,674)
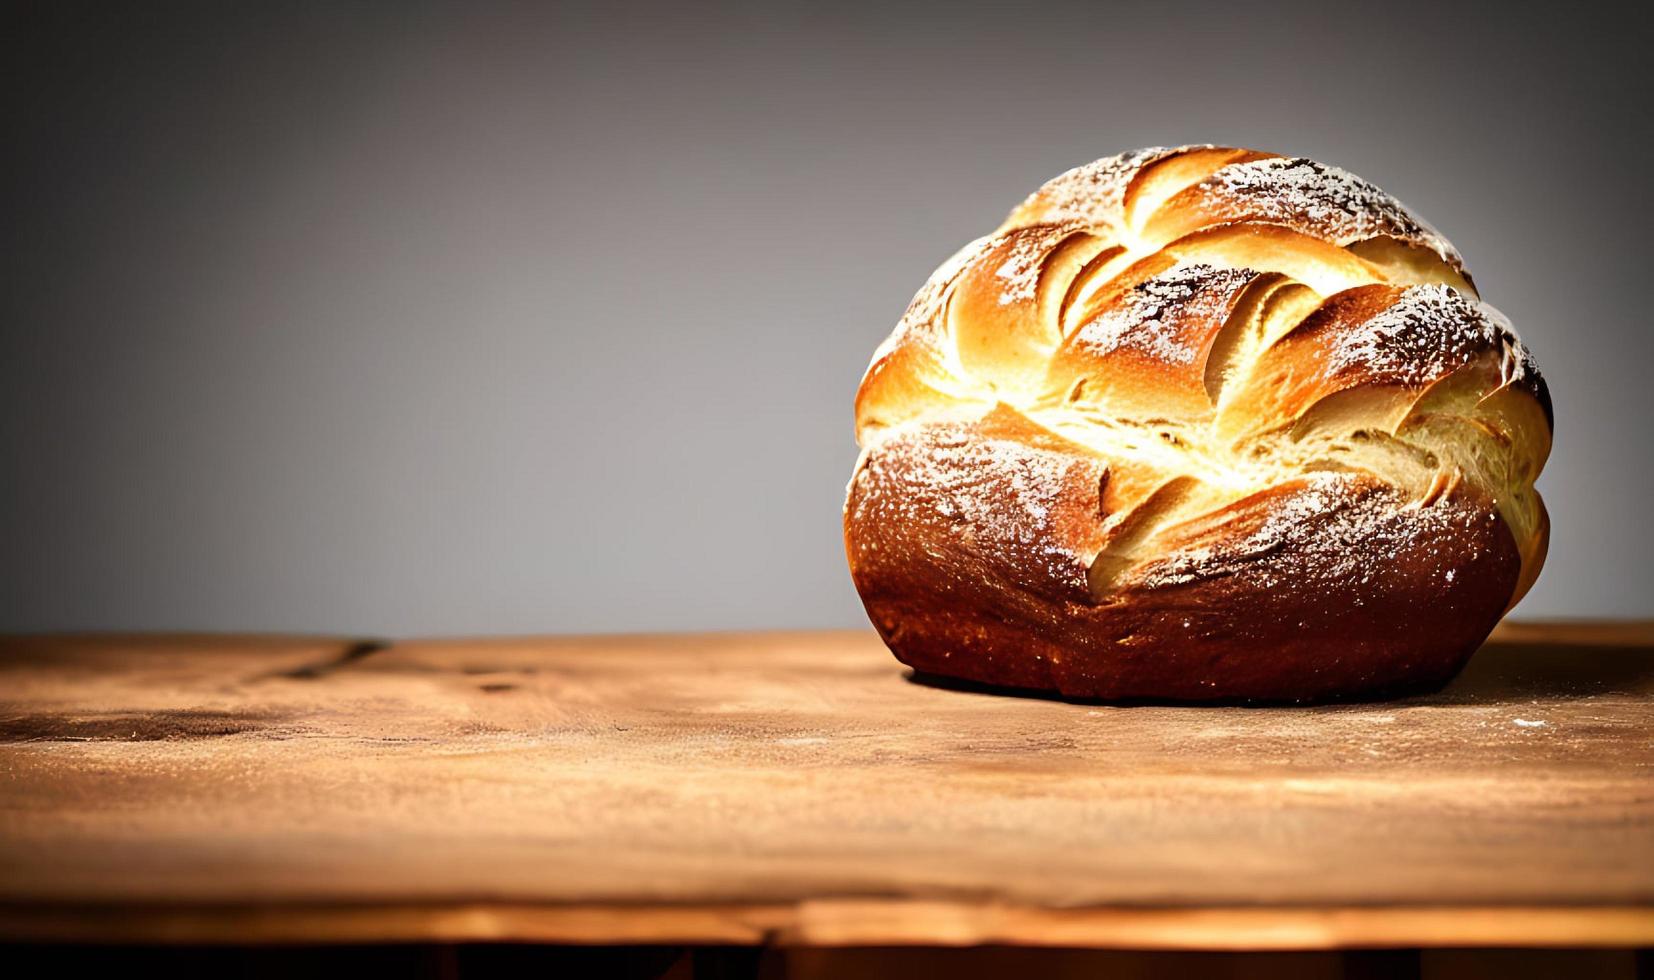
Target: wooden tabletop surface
(803,788)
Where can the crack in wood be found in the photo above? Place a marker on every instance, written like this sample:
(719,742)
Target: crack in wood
(318,669)
(136,726)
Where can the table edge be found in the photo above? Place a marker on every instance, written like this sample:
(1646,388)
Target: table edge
(845,923)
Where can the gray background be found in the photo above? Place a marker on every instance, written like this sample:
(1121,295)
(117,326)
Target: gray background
(506,319)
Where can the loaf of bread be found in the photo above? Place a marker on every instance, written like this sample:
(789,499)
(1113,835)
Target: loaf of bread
(1199,424)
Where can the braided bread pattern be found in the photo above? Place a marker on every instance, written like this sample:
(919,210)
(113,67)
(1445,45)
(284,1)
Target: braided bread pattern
(1199,423)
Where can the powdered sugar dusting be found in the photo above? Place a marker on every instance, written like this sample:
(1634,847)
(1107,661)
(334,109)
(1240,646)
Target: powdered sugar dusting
(958,469)
(1427,333)
(1338,528)
(1516,364)
(1155,317)
(1317,199)
(1323,496)
(1019,274)
(995,493)
(1095,193)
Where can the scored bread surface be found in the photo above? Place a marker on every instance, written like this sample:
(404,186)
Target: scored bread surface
(1199,423)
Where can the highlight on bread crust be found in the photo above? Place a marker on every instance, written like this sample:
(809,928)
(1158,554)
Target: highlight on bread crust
(1199,424)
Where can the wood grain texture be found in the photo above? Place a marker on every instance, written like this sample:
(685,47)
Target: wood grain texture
(799,787)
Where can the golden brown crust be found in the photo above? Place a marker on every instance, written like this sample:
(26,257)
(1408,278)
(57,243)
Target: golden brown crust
(1200,424)
(1328,586)
(1141,347)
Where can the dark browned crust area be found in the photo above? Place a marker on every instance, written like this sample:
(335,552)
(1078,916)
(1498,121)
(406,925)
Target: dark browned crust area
(1329,587)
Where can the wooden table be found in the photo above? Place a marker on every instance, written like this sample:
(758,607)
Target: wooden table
(801,789)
